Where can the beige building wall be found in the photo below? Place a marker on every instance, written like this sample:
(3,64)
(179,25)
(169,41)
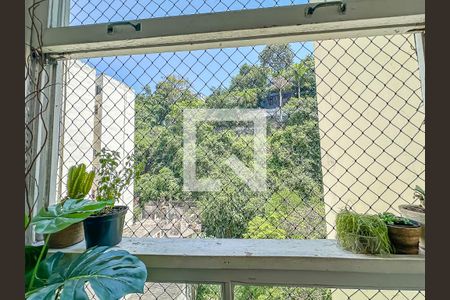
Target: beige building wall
(371,120)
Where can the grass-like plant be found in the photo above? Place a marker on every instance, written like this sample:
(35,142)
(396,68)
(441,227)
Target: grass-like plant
(360,233)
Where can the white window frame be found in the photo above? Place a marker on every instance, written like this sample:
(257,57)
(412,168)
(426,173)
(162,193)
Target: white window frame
(234,29)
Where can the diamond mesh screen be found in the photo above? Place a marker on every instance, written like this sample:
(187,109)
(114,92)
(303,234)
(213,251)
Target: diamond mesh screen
(83,12)
(172,291)
(256,292)
(345,127)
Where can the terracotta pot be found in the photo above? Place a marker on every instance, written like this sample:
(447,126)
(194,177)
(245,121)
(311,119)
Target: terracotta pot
(415,213)
(67,237)
(405,238)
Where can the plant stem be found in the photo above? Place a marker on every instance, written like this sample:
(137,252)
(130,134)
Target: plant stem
(36,267)
(57,293)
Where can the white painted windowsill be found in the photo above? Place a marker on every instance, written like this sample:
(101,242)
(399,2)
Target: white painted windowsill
(277,262)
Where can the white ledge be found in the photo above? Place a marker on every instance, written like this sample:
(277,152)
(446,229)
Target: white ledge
(278,262)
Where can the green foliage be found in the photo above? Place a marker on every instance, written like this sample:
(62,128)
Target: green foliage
(160,187)
(232,98)
(277,57)
(64,277)
(391,219)
(303,77)
(60,216)
(112,274)
(244,292)
(293,208)
(79,182)
(419,194)
(32,254)
(261,228)
(113,178)
(282,203)
(51,220)
(225,214)
(296,149)
(208,292)
(286,216)
(294,168)
(251,78)
(366,234)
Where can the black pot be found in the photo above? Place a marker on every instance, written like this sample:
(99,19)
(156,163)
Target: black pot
(105,230)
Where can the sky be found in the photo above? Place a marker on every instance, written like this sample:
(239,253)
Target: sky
(204,69)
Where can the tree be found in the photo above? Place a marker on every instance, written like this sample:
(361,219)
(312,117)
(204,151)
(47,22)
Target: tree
(303,76)
(261,228)
(277,57)
(298,72)
(160,187)
(246,98)
(168,93)
(280,83)
(226,214)
(251,77)
(158,138)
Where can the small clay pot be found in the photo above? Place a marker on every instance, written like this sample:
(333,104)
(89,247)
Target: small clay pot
(415,213)
(67,237)
(405,238)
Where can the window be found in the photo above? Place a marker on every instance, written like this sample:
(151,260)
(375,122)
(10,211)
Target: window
(357,125)
(345,127)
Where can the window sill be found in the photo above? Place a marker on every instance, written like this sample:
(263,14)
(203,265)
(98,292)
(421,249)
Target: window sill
(278,262)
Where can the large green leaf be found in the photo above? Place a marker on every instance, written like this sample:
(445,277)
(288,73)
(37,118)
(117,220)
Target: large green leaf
(111,274)
(59,216)
(31,257)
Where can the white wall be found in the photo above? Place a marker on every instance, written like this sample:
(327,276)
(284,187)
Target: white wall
(93,121)
(117,125)
(78,117)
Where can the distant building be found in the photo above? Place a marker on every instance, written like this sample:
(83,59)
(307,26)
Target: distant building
(272,100)
(98,112)
(271,103)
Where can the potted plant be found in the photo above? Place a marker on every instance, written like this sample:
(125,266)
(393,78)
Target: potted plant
(417,213)
(105,227)
(361,233)
(79,183)
(403,233)
(63,276)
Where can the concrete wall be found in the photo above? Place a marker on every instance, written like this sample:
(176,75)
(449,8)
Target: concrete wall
(371,121)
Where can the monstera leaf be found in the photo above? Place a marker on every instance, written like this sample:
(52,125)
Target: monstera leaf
(111,274)
(60,216)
